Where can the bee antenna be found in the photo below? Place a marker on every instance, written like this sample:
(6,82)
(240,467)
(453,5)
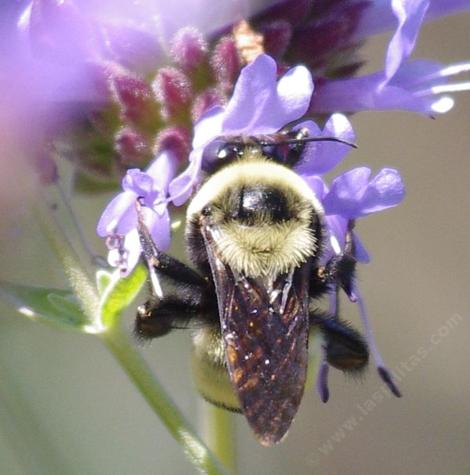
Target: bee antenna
(313,139)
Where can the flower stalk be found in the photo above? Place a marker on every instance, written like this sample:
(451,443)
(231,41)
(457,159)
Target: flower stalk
(219,432)
(140,374)
(108,328)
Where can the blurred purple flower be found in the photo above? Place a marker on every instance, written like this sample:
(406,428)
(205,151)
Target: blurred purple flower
(118,223)
(418,86)
(379,15)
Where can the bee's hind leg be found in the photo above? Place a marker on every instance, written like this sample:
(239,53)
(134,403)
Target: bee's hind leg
(156,318)
(339,273)
(344,347)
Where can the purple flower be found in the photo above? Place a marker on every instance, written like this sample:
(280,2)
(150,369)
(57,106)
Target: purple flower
(353,195)
(379,15)
(419,86)
(321,157)
(118,223)
(261,104)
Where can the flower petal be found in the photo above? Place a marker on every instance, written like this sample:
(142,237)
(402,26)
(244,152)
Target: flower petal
(134,250)
(127,257)
(138,182)
(385,190)
(294,91)
(352,195)
(317,185)
(346,193)
(364,93)
(208,127)
(182,186)
(410,15)
(261,105)
(360,253)
(321,157)
(119,216)
(163,170)
(159,227)
(336,226)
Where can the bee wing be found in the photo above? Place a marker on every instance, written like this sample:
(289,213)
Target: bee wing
(265,331)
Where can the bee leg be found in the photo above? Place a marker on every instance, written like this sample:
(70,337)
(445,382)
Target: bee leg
(161,262)
(158,318)
(340,271)
(191,297)
(344,347)
(384,373)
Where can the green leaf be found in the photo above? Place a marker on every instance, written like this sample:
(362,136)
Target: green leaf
(119,294)
(103,279)
(55,306)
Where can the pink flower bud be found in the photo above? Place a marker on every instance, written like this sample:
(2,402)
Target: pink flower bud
(189,49)
(131,146)
(136,99)
(176,140)
(173,90)
(225,61)
(204,101)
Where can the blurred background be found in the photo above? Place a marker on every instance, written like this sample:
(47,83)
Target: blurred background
(66,407)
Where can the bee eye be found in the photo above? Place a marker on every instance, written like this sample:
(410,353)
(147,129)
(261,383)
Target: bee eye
(217,153)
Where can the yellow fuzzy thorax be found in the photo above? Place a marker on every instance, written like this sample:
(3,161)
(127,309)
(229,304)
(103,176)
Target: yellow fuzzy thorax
(267,250)
(264,248)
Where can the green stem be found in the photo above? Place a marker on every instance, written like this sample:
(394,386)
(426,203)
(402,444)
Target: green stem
(122,348)
(138,371)
(220,435)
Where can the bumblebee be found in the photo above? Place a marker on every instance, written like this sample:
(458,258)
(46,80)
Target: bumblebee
(255,234)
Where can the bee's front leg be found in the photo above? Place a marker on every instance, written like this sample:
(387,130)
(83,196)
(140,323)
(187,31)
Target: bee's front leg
(338,272)
(191,296)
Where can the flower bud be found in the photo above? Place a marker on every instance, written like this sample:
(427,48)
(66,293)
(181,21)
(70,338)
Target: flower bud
(136,99)
(176,140)
(189,49)
(204,101)
(225,61)
(131,146)
(173,90)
